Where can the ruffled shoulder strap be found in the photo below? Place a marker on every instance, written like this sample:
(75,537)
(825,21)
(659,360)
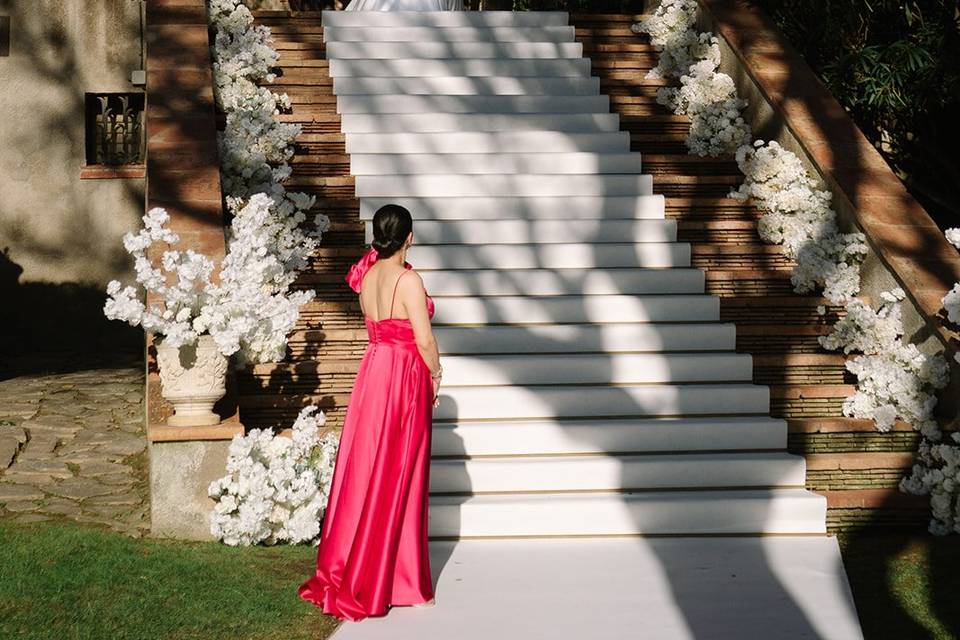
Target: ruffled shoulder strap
(359,269)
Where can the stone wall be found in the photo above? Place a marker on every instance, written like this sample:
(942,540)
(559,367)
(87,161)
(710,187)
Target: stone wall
(58,227)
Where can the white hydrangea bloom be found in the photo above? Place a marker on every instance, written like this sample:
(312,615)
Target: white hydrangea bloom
(276,488)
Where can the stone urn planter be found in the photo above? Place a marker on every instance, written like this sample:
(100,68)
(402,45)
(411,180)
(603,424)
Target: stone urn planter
(192,378)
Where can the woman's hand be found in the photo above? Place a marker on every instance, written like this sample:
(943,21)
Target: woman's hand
(436,392)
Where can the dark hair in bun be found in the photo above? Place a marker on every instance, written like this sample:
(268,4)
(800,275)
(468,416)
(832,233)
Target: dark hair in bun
(391,226)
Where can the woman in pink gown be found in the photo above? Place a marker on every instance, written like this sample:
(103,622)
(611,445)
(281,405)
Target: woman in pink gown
(373,543)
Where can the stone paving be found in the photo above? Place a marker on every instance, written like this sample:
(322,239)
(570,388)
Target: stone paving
(73,445)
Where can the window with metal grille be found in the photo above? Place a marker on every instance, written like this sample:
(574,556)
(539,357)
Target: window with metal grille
(115,128)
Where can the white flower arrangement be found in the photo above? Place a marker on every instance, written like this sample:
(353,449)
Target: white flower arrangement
(249,312)
(937,474)
(276,488)
(708,97)
(894,379)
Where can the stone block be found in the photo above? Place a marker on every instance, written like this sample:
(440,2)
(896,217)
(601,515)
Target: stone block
(180,473)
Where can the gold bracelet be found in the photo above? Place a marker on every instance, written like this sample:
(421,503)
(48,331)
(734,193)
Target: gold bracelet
(438,374)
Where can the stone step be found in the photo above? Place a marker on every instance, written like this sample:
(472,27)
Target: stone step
(720,512)
(445,19)
(453,50)
(479,122)
(553,256)
(537,369)
(479,68)
(547,282)
(583,401)
(496,142)
(559,473)
(502,185)
(574,309)
(503,163)
(608,435)
(544,231)
(513,208)
(463,86)
(401,103)
(448,34)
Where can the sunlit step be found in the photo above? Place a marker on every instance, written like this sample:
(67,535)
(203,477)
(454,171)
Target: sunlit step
(511,208)
(453,50)
(544,231)
(399,103)
(719,512)
(589,401)
(551,256)
(596,368)
(448,34)
(526,310)
(547,282)
(488,142)
(502,163)
(467,122)
(575,338)
(422,67)
(465,86)
(525,185)
(608,435)
(444,18)
(607,472)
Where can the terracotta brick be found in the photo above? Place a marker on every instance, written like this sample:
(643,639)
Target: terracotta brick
(183,12)
(166,133)
(857,461)
(893,210)
(873,499)
(178,78)
(846,155)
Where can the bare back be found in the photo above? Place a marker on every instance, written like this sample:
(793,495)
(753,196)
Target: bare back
(378,292)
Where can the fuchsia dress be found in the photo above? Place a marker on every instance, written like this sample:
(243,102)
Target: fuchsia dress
(373,541)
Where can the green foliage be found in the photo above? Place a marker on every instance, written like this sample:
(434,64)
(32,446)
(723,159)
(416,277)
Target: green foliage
(895,66)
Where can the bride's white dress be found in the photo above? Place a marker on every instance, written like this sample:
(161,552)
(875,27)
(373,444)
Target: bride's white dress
(405,5)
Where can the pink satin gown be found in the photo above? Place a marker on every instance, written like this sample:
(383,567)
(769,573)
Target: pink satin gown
(373,542)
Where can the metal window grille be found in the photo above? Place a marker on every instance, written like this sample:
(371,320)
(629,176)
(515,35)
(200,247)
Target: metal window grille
(115,132)
(4,36)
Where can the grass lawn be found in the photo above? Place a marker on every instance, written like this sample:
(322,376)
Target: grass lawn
(73,582)
(906,586)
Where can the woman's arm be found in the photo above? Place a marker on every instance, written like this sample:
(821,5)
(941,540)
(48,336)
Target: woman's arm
(413,296)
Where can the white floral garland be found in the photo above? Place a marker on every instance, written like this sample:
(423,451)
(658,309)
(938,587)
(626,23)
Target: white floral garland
(894,380)
(276,488)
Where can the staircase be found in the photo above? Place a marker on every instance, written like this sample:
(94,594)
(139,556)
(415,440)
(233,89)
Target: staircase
(593,388)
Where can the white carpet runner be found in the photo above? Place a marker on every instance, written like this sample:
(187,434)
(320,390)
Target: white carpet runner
(590,390)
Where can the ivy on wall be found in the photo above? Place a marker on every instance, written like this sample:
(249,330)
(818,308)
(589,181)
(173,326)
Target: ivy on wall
(895,66)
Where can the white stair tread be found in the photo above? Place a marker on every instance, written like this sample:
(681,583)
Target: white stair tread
(500,163)
(448,34)
(433,49)
(589,401)
(544,282)
(608,435)
(591,368)
(464,86)
(572,338)
(551,256)
(774,588)
(717,512)
(523,185)
(544,231)
(397,18)
(477,68)
(466,122)
(535,208)
(526,141)
(607,472)
(527,310)
(402,103)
